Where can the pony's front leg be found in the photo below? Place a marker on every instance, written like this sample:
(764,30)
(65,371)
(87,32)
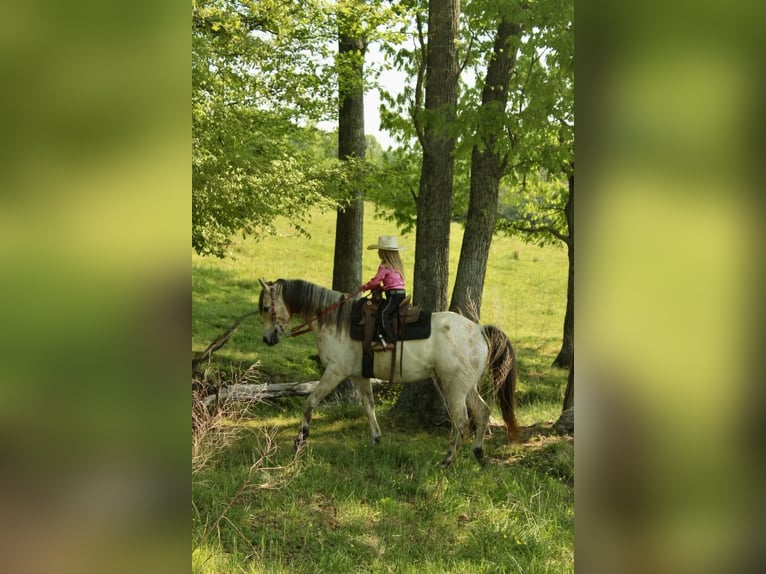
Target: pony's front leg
(331,378)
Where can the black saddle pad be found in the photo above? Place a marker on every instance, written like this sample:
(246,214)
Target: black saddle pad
(421,329)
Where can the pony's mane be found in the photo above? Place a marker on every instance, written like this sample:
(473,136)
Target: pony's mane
(307,299)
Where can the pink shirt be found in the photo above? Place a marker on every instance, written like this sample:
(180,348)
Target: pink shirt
(390,277)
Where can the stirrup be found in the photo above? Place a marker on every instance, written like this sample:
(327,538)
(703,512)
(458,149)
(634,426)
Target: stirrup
(378,346)
(381,344)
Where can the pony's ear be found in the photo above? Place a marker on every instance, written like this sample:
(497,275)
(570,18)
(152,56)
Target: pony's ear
(264,284)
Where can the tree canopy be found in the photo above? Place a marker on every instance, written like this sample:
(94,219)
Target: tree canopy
(534,132)
(259,72)
(265,73)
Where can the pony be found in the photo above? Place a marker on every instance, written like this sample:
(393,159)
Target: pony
(456,356)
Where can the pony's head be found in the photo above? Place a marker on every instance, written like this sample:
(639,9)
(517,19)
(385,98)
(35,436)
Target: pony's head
(274,313)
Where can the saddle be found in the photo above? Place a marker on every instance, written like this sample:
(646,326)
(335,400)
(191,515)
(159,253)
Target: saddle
(406,314)
(408,323)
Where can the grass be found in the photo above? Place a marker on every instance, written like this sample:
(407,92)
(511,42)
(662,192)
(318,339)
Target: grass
(342,505)
(347,506)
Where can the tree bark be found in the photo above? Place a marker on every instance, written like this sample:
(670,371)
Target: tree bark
(486,171)
(565,422)
(349,223)
(421,401)
(434,203)
(569,392)
(347,264)
(566,354)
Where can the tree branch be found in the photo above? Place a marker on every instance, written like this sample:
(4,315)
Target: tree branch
(542,229)
(258,392)
(418,104)
(467,54)
(220,341)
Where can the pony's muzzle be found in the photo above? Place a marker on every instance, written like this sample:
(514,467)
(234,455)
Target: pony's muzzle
(271,339)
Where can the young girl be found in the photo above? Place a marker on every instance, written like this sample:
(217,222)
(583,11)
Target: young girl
(390,277)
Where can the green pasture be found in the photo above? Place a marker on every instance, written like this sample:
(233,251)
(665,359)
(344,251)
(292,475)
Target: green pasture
(344,505)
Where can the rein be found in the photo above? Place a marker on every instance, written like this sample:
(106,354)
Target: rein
(305,327)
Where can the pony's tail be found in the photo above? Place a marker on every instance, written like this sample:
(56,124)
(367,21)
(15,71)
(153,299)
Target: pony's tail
(502,362)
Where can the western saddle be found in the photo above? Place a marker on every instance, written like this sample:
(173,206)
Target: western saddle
(406,313)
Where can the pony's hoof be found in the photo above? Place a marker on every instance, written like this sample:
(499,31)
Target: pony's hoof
(376,440)
(303,434)
(478,452)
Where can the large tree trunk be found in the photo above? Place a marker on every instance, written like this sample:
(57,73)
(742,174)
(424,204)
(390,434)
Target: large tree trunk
(564,358)
(349,225)
(486,171)
(421,401)
(347,265)
(565,422)
(569,392)
(434,204)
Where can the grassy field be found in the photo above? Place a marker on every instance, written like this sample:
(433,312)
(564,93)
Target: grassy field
(342,505)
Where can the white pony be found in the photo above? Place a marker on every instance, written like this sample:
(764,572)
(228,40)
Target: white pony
(456,354)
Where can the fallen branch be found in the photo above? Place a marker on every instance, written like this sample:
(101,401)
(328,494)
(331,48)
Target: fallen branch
(249,392)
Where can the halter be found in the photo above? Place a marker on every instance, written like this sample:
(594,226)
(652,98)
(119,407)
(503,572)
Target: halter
(305,327)
(273,308)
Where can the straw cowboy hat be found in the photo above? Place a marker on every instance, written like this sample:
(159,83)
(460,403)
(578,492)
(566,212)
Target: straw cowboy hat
(387,243)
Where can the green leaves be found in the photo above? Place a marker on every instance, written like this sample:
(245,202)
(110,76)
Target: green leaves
(534,133)
(535,211)
(259,70)
(264,72)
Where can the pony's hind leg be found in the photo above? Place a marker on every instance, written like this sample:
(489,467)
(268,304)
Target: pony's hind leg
(458,413)
(480,413)
(364,388)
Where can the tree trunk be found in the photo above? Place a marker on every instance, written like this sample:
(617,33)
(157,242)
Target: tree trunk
(347,265)
(565,422)
(486,170)
(349,225)
(421,401)
(566,353)
(434,204)
(569,392)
